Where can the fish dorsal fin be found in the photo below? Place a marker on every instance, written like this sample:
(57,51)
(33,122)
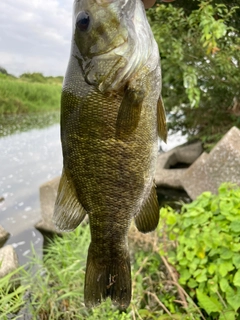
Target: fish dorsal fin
(129,112)
(147,219)
(161,120)
(68,212)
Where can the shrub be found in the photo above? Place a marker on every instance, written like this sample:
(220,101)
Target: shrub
(203,243)
(3,70)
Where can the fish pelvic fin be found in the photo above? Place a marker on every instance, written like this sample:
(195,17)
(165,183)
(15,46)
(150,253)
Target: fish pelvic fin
(108,279)
(161,120)
(147,219)
(68,212)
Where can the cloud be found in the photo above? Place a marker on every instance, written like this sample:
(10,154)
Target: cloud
(35,36)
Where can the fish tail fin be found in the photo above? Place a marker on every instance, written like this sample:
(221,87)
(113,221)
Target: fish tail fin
(111,279)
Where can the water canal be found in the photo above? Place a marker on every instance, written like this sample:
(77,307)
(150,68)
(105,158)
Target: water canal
(29,157)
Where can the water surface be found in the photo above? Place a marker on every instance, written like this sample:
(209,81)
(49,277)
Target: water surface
(27,160)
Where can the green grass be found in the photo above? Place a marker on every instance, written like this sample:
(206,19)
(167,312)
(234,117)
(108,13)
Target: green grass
(55,287)
(11,301)
(22,95)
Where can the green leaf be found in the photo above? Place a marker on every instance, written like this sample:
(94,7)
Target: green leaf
(213,284)
(190,255)
(194,264)
(215,206)
(225,206)
(236,260)
(171,219)
(226,254)
(184,276)
(225,267)
(224,285)
(236,279)
(235,247)
(227,315)
(233,298)
(235,226)
(192,283)
(209,304)
(202,276)
(212,268)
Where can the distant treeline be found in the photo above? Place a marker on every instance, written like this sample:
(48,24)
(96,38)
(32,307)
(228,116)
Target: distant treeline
(30,92)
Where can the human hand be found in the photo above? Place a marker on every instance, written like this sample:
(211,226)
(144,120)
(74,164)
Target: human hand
(148,3)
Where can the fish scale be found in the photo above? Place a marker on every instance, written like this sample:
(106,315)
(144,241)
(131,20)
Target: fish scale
(111,117)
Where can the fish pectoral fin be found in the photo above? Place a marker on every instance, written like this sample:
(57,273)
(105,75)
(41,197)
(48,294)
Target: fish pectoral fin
(147,219)
(68,212)
(161,120)
(129,112)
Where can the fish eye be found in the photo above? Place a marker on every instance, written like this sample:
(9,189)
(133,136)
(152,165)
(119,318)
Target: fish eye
(83,21)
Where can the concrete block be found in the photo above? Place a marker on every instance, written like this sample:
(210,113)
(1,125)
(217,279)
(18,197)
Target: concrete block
(4,235)
(221,165)
(9,263)
(48,194)
(167,173)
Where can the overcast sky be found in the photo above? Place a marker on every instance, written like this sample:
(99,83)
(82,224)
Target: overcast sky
(35,36)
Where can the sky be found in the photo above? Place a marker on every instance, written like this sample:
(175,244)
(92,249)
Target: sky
(35,36)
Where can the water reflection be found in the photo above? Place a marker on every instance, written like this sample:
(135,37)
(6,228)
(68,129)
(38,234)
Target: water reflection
(27,160)
(10,124)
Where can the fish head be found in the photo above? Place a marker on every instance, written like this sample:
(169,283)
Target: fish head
(111,41)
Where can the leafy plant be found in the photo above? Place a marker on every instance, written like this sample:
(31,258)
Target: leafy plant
(203,244)
(199,46)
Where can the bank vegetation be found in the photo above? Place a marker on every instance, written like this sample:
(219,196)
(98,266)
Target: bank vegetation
(28,93)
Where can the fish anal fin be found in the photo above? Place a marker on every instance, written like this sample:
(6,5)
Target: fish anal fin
(108,279)
(147,219)
(161,120)
(129,112)
(68,212)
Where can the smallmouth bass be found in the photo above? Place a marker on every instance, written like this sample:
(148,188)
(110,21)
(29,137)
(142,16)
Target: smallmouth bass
(111,117)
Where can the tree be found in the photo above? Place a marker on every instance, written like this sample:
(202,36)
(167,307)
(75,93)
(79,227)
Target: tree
(3,70)
(199,45)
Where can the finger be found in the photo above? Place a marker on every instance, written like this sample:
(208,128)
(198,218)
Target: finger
(148,3)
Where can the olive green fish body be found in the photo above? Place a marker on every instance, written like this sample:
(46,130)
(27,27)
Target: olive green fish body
(110,124)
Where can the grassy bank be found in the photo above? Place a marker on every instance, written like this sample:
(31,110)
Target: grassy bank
(29,93)
(187,269)
(56,289)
